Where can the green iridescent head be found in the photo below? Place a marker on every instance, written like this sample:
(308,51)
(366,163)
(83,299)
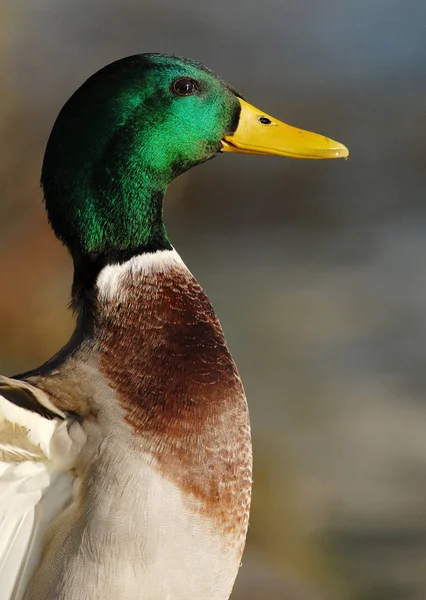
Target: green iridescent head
(128,131)
(119,141)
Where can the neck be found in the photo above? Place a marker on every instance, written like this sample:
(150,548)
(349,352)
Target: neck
(139,230)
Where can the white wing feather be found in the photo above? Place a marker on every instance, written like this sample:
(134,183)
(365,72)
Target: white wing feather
(36,484)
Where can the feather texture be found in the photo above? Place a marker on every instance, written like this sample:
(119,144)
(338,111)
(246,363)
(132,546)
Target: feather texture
(38,445)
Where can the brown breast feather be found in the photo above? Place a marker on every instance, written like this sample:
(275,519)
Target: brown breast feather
(164,353)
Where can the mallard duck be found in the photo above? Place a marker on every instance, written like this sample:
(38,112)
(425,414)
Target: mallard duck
(125,460)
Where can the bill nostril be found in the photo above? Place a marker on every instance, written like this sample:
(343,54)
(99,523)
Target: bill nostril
(264,120)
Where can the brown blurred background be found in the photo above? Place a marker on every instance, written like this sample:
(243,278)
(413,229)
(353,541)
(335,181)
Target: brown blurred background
(316,269)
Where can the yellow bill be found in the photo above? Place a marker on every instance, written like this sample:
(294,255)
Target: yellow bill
(259,133)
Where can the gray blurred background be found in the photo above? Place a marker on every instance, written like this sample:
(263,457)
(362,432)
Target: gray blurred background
(316,269)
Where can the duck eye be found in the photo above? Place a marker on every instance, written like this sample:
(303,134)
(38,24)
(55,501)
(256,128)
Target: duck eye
(185,86)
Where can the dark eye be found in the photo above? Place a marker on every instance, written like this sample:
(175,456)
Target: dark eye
(185,86)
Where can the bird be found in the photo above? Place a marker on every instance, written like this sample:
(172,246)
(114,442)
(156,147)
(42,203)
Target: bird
(126,458)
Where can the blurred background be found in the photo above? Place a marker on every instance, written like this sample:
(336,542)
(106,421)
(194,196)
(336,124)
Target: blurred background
(316,269)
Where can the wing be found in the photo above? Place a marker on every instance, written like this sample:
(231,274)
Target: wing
(38,447)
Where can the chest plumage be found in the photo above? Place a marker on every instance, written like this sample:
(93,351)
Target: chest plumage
(180,390)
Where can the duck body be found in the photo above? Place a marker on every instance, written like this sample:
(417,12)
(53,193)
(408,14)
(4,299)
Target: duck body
(164,497)
(125,460)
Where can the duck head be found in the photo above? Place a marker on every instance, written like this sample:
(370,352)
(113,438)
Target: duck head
(128,131)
